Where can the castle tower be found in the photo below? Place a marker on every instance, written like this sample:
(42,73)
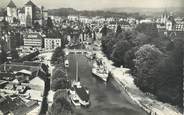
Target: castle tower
(11,9)
(29,13)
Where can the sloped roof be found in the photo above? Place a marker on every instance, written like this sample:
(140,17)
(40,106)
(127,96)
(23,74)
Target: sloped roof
(30,3)
(25,72)
(11,4)
(37,81)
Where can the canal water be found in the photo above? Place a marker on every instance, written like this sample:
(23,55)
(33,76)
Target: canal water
(106,99)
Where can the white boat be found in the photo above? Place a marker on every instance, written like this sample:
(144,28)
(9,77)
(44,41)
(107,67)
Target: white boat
(74,97)
(79,92)
(101,73)
(66,63)
(100,70)
(82,93)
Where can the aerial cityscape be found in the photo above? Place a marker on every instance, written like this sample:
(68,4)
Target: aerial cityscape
(86,57)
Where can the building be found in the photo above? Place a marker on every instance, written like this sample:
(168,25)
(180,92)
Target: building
(179,26)
(21,16)
(16,105)
(170,23)
(37,86)
(33,40)
(28,15)
(146,21)
(52,43)
(12,9)
(164,17)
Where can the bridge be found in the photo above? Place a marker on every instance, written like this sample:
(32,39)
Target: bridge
(76,51)
(79,51)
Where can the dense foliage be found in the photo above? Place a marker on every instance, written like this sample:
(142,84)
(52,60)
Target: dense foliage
(155,60)
(59,83)
(61,105)
(59,79)
(58,56)
(147,60)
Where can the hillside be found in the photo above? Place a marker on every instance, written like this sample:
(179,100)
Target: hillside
(71,11)
(149,11)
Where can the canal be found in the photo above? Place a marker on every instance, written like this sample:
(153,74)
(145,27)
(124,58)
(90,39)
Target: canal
(105,99)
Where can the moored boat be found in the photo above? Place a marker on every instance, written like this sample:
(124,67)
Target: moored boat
(100,71)
(80,92)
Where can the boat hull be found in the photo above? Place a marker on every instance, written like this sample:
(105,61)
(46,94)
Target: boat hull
(103,77)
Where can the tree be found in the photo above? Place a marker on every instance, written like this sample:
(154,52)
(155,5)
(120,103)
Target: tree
(147,59)
(59,79)
(59,83)
(58,56)
(14,54)
(37,26)
(6,26)
(3,56)
(169,81)
(129,56)
(104,30)
(61,105)
(148,29)
(119,52)
(107,44)
(49,23)
(118,30)
(141,39)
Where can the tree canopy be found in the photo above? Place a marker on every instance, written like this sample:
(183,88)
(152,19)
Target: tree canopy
(58,56)
(61,105)
(156,62)
(146,62)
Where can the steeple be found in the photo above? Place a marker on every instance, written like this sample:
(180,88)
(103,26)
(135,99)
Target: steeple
(11,4)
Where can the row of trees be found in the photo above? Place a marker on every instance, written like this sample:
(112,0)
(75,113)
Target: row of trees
(61,105)
(155,60)
(59,83)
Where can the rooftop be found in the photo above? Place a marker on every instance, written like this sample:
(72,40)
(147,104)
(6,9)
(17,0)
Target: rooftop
(16,106)
(11,4)
(30,3)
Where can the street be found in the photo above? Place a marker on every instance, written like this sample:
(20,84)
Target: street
(105,98)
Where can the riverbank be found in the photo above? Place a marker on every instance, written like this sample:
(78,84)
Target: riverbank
(48,94)
(145,100)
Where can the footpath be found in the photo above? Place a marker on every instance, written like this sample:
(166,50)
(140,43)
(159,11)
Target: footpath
(146,101)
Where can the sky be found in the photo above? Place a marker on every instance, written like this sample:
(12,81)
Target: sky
(99,4)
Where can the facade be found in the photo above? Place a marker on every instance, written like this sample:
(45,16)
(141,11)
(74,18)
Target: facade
(52,43)
(169,25)
(21,16)
(163,18)
(11,9)
(33,40)
(179,26)
(27,15)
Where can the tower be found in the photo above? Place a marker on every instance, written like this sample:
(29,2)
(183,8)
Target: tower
(11,9)
(29,13)
(164,17)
